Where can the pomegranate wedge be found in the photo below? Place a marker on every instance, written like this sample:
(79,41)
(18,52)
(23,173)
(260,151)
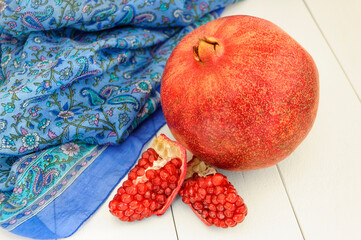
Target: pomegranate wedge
(153,183)
(211,196)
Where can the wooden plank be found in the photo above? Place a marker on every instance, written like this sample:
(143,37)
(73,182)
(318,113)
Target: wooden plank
(6,235)
(102,225)
(270,213)
(323,176)
(340,23)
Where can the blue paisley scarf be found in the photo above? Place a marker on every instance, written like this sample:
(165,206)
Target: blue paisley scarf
(77,80)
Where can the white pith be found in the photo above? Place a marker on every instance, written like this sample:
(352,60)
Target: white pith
(201,168)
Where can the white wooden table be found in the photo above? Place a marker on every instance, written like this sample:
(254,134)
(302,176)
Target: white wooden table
(316,192)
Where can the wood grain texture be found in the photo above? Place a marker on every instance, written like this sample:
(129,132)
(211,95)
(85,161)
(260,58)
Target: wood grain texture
(340,24)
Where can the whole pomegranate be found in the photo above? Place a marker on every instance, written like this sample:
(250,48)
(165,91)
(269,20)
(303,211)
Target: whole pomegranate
(240,93)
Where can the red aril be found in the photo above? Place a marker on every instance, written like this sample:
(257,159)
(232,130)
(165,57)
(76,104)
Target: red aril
(153,183)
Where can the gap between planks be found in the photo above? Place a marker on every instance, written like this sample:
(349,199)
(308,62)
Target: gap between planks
(330,47)
(289,200)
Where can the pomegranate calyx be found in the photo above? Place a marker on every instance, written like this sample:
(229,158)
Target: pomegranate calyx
(207,49)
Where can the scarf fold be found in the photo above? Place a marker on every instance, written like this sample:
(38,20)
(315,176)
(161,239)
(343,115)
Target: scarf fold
(80,80)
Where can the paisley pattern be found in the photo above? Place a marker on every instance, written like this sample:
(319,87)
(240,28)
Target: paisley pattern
(75,77)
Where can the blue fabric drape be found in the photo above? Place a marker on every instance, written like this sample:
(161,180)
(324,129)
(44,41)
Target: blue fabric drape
(77,78)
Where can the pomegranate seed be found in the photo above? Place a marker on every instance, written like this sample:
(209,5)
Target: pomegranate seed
(146,212)
(218,190)
(134,217)
(220,207)
(146,203)
(216,222)
(231,197)
(229,206)
(228,213)
(186,200)
(149,185)
(220,215)
(142,188)
(242,208)
(119,214)
(239,202)
(176,162)
(132,175)
(140,171)
(150,174)
(164,175)
(152,152)
(112,205)
(214,199)
(139,197)
(208,199)
(153,195)
(212,207)
(164,185)
(160,199)
(146,154)
(155,188)
(198,197)
(238,217)
(131,190)
(221,198)
(205,214)
(133,205)
(223,224)
(128,212)
(209,182)
(142,162)
(217,179)
(210,190)
(168,191)
(198,206)
(212,214)
(127,183)
(173,179)
(230,222)
(122,206)
(126,198)
(152,206)
(156,181)
(124,218)
(171,169)
(153,158)
(147,195)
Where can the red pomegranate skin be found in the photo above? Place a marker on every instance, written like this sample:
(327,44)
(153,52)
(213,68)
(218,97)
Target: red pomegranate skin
(244,97)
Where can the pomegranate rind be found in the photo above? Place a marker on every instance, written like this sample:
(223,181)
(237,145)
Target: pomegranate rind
(168,150)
